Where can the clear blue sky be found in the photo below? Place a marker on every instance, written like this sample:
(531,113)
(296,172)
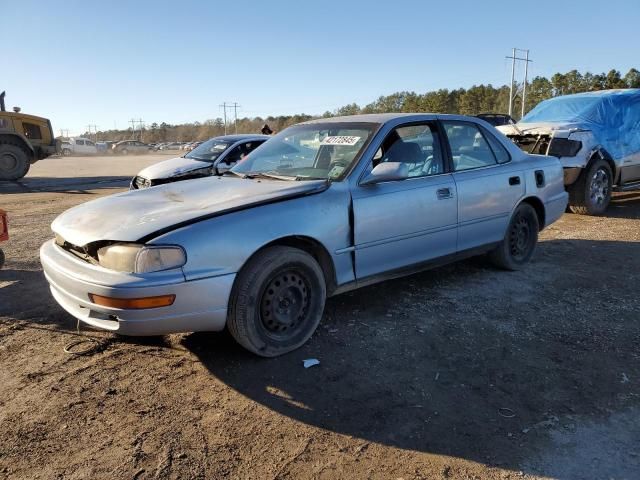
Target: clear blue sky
(105,62)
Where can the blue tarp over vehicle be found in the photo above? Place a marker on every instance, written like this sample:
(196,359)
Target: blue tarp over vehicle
(612,115)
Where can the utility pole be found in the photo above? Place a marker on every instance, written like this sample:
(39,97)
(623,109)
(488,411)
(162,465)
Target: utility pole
(235,117)
(513,73)
(141,125)
(95,128)
(224,106)
(524,85)
(133,128)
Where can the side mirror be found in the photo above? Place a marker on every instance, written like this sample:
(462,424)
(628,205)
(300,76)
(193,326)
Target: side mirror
(386,172)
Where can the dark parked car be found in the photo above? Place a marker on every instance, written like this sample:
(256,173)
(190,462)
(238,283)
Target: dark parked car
(497,119)
(127,147)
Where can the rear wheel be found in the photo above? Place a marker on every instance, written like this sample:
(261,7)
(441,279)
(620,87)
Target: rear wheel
(1,258)
(14,162)
(277,301)
(519,243)
(591,193)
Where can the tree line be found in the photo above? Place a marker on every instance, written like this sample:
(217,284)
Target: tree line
(470,101)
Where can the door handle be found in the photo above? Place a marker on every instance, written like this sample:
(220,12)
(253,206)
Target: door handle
(514,180)
(444,193)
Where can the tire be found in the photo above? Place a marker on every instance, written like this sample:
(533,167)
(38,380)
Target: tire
(14,162)
(520,240)
(2,258)
(591,193)
(66,152)
(124,151)
(277,301)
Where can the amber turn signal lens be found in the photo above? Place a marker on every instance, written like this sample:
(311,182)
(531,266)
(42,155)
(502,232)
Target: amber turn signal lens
(133,303)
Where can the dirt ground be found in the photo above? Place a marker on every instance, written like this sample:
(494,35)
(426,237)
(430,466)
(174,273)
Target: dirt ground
(461,372)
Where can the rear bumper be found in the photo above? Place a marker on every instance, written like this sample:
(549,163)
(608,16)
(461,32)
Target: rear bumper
(200,305)
(555,207)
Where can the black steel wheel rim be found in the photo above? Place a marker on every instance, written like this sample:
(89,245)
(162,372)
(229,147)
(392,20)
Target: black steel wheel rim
(8,161)
(284,306)
(520,236)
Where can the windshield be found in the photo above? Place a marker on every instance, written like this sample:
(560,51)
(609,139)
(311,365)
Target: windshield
(209,150)
(562,109)
(308,152)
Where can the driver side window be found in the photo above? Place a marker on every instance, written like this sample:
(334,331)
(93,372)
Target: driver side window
(234,155)
(417,146)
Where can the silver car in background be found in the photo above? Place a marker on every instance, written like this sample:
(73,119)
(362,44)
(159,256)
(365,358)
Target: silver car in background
(213,157)
(321,208)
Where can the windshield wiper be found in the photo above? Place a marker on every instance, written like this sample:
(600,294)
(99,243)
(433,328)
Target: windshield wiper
(269,175)
(241,175)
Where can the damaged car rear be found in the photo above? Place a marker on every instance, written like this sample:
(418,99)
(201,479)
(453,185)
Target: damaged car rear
(596,137)
(321,208)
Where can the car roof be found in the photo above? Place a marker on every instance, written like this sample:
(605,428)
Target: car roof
(241,136)
(381,118)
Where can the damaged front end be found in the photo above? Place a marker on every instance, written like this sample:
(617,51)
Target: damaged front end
(546,144)
(572,146)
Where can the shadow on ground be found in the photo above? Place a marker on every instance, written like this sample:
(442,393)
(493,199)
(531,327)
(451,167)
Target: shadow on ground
(469,362)
(68,185)
(534,370)
(624,205)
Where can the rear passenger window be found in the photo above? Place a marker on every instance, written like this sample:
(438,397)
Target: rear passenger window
(499,151)
(469,148)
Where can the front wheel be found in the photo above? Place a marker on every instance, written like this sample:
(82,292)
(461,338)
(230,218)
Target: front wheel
(277,301)
(591,192)
(124,151)
(14,162)
(520,240)
(1,258)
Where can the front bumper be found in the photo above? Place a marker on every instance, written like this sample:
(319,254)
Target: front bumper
(200,305)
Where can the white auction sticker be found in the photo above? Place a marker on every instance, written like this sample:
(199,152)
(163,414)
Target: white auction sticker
(340,140)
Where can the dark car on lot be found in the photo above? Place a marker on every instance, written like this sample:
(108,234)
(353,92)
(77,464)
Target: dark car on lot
(497,119)
(128,147)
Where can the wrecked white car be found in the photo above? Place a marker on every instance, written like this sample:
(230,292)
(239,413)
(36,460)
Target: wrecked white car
(213,157)
(596,136)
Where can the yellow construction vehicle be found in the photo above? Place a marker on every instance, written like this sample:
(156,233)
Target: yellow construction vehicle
(24,139)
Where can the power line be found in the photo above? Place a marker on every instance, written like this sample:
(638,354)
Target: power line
(235,106)
(224,106)
(235,118)
(513,72)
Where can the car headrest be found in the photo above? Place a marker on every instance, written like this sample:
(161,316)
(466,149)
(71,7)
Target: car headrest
(405,152)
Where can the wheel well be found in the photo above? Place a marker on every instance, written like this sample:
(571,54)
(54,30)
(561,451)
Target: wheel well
(316,250)
(538,206)
(18,142)
(600,154)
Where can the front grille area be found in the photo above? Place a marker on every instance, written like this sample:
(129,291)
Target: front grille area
(141,182)
(83,253)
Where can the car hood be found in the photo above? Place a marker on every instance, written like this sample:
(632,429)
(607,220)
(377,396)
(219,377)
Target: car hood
(556,128)
(174,167)
(139,214)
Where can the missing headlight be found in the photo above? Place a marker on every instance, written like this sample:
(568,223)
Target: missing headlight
(563,147)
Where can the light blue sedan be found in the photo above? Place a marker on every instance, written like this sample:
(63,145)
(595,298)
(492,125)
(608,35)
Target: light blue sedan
(321,208)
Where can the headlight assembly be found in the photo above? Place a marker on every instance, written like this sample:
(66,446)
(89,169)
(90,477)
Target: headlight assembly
(134,258)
